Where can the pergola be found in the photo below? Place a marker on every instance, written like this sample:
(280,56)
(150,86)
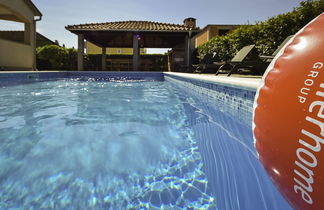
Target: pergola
(136,35)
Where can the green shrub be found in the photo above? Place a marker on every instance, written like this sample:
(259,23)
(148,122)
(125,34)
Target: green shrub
(266,35)
(53,57)
(70,62)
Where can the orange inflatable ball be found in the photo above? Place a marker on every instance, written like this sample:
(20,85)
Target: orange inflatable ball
(289,118)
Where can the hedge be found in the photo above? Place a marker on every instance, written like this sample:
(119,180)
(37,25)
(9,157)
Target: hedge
(267,35)
(53,57)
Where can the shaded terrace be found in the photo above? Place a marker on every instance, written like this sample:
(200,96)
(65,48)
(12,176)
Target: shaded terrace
(136,35)
(19,55)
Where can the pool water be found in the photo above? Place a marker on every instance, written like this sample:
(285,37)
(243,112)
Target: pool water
(86,144)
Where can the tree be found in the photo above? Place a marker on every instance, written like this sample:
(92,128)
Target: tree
(266,35)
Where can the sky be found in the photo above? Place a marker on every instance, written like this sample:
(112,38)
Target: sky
(59,13)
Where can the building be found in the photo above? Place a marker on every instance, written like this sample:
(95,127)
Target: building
(211,31)
(16,55)
(18,36)
(137,35)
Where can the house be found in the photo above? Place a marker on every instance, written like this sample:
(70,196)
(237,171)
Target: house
(211,31)
(16,55)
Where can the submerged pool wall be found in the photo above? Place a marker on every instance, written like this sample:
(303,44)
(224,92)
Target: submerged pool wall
(237,97)
(219,112)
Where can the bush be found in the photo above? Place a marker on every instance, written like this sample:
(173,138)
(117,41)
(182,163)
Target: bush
(70,62)
(53,57)
(266,35)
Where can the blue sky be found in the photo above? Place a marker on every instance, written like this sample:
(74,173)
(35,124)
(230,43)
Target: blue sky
(59,13)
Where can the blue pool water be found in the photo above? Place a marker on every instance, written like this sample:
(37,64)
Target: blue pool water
(86,144)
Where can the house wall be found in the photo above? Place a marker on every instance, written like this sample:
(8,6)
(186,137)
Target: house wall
(211,31)
(15,55)
(202,38)
(94,49)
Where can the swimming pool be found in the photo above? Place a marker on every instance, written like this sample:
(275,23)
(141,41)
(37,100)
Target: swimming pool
(90,140)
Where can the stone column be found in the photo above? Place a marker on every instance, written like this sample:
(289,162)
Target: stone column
(135,53)
(186,50)
(33,42)
(80,51)
(191,49)
(27,33)
(30,39)
(103,59)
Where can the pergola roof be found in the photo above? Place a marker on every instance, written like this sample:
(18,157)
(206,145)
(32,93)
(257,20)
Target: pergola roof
(120,34)
(131,26)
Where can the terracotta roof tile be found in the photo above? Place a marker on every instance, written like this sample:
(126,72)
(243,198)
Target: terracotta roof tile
(131,25)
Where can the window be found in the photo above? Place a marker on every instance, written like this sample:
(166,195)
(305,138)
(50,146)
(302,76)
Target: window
(223,31)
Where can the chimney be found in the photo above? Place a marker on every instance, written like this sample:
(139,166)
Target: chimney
(190,22)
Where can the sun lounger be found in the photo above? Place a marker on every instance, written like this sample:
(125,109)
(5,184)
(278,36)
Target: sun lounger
(205,64)
(246,58)
(268,58)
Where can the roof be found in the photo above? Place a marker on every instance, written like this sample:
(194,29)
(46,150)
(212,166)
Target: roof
(131,26)
(18,36)
(33,7)
(220,26)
